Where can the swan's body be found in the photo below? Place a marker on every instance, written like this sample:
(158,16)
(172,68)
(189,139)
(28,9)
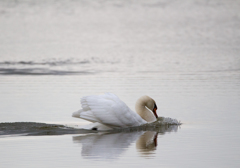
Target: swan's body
(109,110)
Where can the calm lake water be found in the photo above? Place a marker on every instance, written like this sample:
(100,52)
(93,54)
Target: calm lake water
(184,54)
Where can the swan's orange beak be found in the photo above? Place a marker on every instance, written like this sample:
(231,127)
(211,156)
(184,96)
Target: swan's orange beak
(155,112)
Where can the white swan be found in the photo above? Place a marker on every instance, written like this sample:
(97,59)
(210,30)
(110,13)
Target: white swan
(109,110)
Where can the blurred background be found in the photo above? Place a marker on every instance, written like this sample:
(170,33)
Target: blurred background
(185,54)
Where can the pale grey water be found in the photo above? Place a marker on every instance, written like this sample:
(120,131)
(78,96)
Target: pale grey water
(184,54)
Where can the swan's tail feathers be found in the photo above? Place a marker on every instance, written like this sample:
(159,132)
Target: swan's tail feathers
(77,113)
(86,115)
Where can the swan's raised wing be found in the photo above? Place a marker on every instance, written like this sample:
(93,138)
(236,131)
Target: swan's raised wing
(108,109)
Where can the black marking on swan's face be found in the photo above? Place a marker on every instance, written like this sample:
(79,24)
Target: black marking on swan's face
(155,106)
(94,128)
(155,110)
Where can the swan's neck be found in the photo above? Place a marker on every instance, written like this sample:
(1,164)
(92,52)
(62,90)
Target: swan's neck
(144,112)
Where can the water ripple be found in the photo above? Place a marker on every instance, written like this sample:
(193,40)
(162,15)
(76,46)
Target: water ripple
(36,129)
(39,71)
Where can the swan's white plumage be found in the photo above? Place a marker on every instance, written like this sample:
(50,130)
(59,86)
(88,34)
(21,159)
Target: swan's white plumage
(109,110)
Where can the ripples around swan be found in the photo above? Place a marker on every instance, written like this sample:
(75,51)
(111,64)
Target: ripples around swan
(162,125)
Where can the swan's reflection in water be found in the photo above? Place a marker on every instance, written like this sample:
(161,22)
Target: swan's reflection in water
(147,142)
(111,145)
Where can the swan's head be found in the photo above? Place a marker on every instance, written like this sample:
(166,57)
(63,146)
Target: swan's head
(148,102)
